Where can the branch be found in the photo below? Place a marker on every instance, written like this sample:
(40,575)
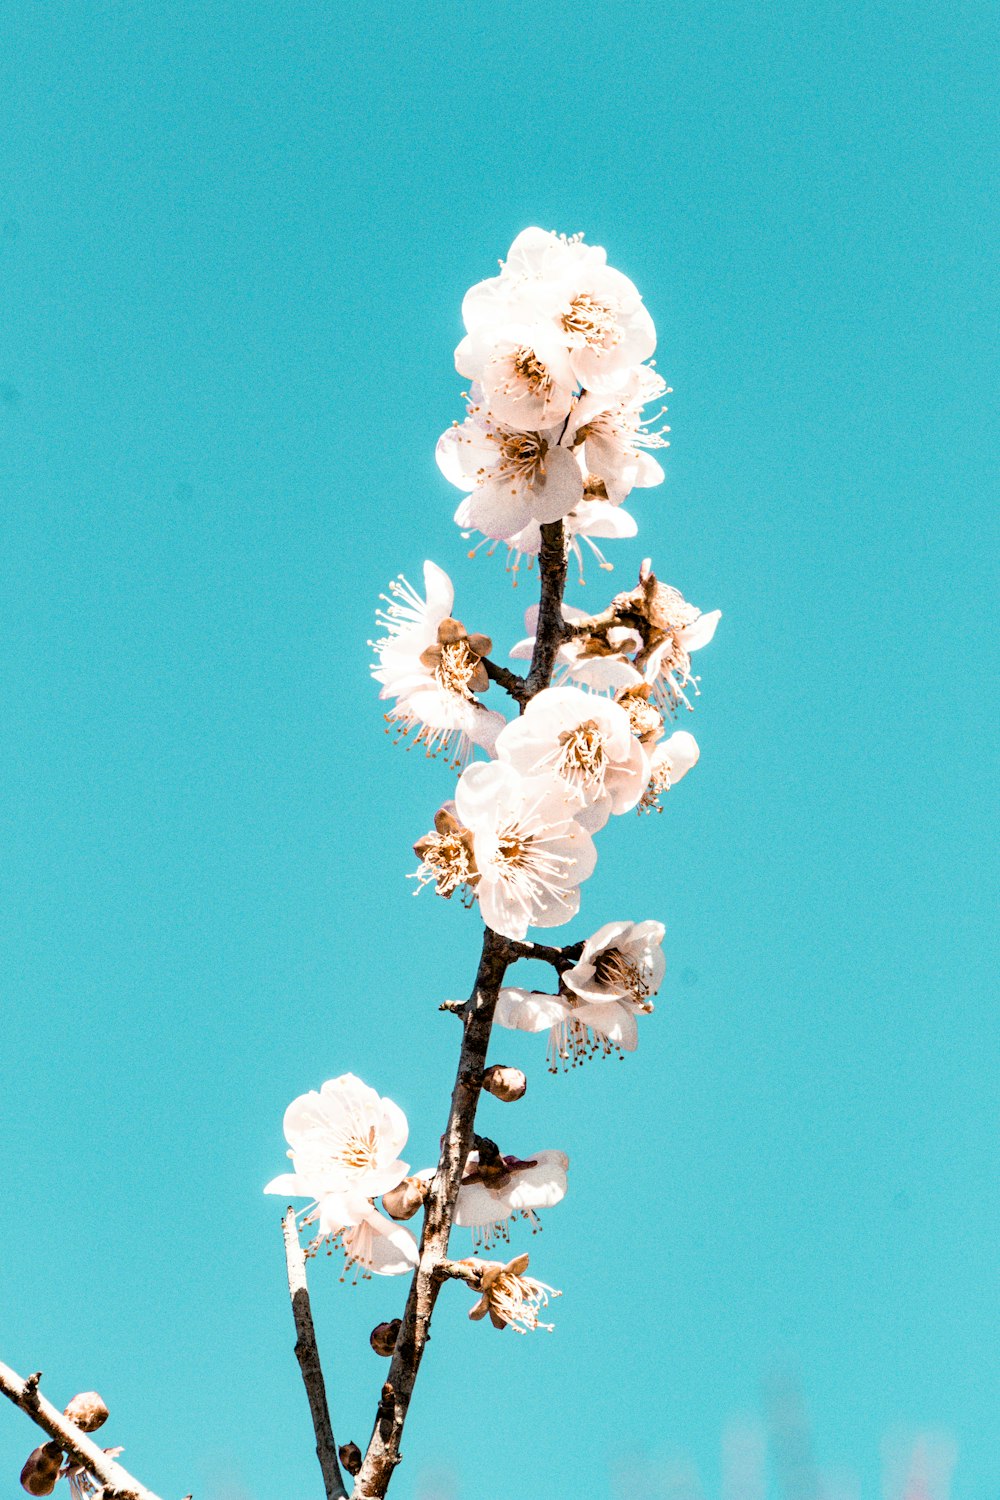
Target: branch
(383,1451)
(477,1021)
(307,1355)
(117,1483)
(561,959)
(551,630)
(510,681)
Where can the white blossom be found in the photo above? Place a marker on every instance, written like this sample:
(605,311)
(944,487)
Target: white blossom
(433,668)
(589,520)
(515,478)
(344,1142)
(586,744)
(577,1030)
(614,435)
(594,311)
(524,371)
(530,853)
(668,762)
(492,1195)
(621,961)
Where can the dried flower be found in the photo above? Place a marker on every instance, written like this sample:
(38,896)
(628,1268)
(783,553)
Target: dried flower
(403,1201)
(511,1299)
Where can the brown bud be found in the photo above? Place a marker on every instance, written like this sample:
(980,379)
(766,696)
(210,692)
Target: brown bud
(383,1337)
(41,1469)
(403,1201)
(87,1411)
(506,1084)
(350,1457)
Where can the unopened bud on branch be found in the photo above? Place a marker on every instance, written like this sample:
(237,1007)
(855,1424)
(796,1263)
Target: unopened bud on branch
(87,1411)
(350,1457)
(403,1201)
(41,1469)
(506,1084)
(383,1337)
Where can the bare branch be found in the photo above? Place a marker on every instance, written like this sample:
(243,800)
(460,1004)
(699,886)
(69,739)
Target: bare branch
(117,1483)
(307,1355)
(510,681)
(561,959)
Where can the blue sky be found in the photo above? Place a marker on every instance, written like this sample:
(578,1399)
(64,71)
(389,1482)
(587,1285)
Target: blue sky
(233,245)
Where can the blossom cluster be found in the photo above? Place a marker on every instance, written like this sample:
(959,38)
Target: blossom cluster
(557,354)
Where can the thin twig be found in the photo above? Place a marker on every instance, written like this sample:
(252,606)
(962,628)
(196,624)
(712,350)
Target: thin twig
(117,1483)
(510,681)
(307,1355)
(560,959)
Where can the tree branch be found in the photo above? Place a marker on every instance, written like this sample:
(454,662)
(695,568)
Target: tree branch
(307,1355)
(510,681)
(477,1020)
(117,1483)
(561,959)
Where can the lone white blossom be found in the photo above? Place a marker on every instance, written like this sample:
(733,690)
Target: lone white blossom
(433,667)
(621,961)
(578,1030)
(496,1191)
(343,1143)
(530,853)
(586,743)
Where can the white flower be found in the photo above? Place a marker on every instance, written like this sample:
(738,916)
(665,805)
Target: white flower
(577,1030)
(515,478)
(621,961)
(530,853)
(667,665)
(433,668)
(589,519)
(344,1143)
(668,762)
(524,371)
(595,312)
(512,1299)
(614,435)
(492,1195)
(587,744)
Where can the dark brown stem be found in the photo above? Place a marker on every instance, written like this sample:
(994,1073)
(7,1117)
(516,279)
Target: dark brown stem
(561,959)
(510,681)
(307,1354)
(383,1450)
(116,1483)
(477,1019)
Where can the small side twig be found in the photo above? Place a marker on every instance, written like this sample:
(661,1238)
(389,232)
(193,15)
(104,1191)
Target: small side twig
(560,959)
(307,1355)
(511,682)
(116,1483)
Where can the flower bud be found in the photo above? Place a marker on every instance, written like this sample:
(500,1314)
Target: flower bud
(41,1469)
(383,1337)
(403,1201)
(506,1084)
(87,1411)
(350,1457)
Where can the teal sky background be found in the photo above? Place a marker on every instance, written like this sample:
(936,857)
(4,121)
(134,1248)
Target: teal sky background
(233,245)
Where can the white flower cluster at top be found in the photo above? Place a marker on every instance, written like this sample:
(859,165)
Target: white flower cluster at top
(556,351)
